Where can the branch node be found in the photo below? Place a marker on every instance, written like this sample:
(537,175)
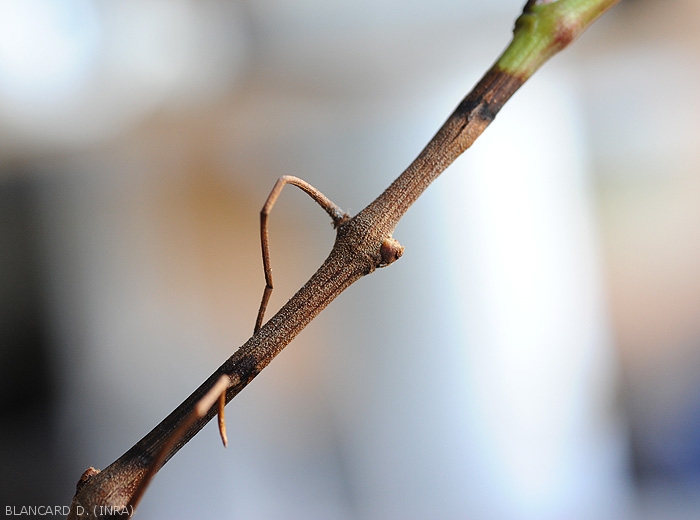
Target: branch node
(87,475)
(390,251)
(338,217)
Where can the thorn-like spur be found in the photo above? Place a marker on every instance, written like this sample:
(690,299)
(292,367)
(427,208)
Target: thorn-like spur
(220,410)
(217,393)
(337,214)
(199,411)
(222,419)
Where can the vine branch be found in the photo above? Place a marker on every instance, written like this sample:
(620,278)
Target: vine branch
(363,243)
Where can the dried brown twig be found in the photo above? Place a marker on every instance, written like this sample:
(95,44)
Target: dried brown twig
(363,243)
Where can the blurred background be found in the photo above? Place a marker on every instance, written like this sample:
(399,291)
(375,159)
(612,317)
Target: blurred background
(534,354)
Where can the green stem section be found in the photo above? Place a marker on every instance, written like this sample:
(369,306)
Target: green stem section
(545,28)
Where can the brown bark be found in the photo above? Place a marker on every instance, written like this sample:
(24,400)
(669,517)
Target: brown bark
(363,243)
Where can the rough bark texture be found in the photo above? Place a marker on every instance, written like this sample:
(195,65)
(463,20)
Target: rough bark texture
(363,243)
(360,247)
